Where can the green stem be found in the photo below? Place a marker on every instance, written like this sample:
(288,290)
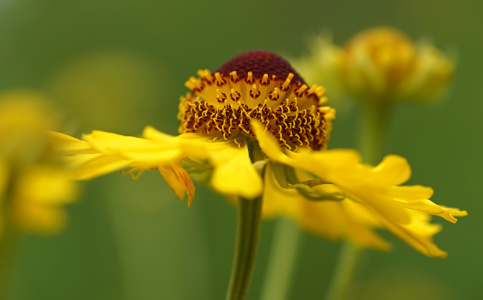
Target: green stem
(348,262)
(282,260)
(8,246)
(248,232)
(373,127)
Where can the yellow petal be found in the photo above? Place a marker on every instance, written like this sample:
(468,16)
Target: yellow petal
(341,167)
(4,177)
(235,174)
(179,180)
(327,218)
(430,207)
(66,144)
(38,218)
(106,142)
(278,201)
(88,166)
(268,143)
(360,182)
(411,193)
(45,185)
(393,170)
(418,234)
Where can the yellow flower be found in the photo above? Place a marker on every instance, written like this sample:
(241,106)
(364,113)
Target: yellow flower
(324,64)
(33,185)
(383,64)
(253,127)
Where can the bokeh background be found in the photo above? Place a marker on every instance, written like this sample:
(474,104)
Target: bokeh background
(120,65)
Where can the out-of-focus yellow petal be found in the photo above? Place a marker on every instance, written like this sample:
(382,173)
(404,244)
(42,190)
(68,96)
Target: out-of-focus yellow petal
(63,143)
(45,185)
(37,198)
(179,180)
(4,177)
(38,218)
(235,174)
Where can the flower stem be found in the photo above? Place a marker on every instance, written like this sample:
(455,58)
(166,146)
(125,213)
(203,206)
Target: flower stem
(8,246)
(248,232)
(372,136)
(373,127)
(342,284)
(282,260)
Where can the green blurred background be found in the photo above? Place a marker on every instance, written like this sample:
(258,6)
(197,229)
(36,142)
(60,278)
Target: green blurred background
(121,65)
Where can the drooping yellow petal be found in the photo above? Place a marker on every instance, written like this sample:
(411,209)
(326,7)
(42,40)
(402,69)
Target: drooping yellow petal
(330,219)
(179,180)
(393,170)
(402,210)
(278,201)
(432,208)
(341,167)
(234,173)
(418,234)
(411,193)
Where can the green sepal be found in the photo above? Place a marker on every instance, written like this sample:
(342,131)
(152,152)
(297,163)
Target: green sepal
(201,172)
(287,179)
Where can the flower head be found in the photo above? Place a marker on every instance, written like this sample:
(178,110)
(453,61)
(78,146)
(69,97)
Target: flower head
(259,86)
(382,64)
(256,129)
(33,183)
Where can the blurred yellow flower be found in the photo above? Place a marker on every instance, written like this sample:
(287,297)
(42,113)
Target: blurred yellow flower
(33,184)
(382,64)
(256,103)
(323,64)
(378,64)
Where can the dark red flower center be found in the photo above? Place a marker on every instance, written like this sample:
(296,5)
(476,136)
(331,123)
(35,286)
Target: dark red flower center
(259,63)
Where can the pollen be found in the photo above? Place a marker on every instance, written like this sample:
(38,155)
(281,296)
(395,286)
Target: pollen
(256,85)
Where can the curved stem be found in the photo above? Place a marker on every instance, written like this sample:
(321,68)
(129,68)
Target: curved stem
(283,255)
(248,232)
(372,140)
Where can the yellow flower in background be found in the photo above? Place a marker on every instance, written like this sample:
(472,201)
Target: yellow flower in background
(323,64)
(33,184)
(378,64)
(382,64)
(253,127)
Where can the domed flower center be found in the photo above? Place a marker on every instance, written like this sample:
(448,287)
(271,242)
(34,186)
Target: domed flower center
(262,86)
